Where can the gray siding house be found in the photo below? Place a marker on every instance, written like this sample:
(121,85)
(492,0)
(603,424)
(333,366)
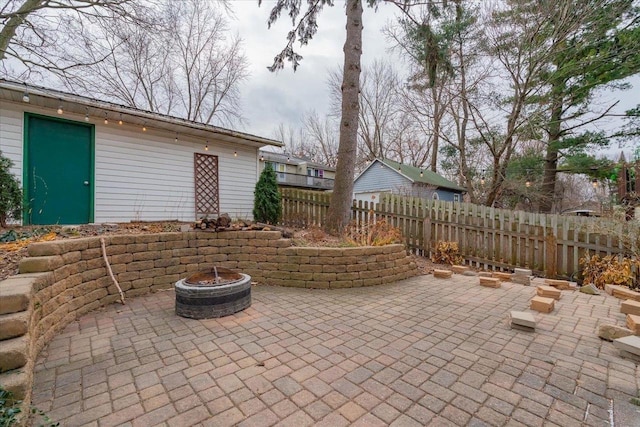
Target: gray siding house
(387,176)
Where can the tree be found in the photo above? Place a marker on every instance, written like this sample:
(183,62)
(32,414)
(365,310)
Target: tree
(267,205)
(10,193)
(188,67)
(339,213)
(38,35)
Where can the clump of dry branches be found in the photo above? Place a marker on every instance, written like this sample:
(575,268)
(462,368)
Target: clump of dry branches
(447,253)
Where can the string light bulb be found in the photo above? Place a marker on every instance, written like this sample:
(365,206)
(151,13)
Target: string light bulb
(176,138)
(120,121)
(106,119)
(144,127)
(25,97)
(421,173)
(235,154)
(262,158)
(60,110)
(206,147)
(86,115)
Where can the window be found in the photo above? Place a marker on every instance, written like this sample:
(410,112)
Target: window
(435,196)
(456,197)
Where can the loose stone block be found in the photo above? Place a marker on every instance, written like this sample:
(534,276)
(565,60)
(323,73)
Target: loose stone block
(630,307)
(484,274)
(633,323)
(630,344)
(549,292)
(522,272)
(625,293)
(542,304)
(521,279)
(608,288)
(490,282)
(612,332)
(442,274)
(503,277)
(559,284)
(459,269)
(522,319)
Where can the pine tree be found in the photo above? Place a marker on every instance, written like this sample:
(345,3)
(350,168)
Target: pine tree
(267,205)
(10,193)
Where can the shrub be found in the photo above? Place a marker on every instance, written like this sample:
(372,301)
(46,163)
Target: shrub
(10,193)
(609,269)
(447,253)
(267,205)
(378,233)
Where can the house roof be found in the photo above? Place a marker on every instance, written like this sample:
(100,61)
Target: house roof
(423,176)
(51,99)
(287,158)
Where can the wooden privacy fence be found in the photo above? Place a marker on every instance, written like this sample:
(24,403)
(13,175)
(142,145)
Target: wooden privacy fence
(489,238)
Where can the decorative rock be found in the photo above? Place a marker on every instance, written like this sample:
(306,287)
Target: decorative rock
(589,289)
(459,269)
(442,274)
(522,320)
(489,282)
(542,304)
(633,323)
(630,307)
(470,273)
(548,292)
(612,332)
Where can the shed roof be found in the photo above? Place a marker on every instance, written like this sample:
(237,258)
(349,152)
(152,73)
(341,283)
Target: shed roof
(52,98)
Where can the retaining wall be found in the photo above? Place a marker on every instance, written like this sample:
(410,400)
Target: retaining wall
(63,279)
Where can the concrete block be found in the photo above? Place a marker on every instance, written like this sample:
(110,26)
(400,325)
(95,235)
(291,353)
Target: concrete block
(542,304)
(14,353)
(459,269)
(40,264)
(548,291)
(521,279)
(633,323)
(612,332)
(503,277)
(608,288)
(522,272)
(630,344)
(14,324)
(484,274)
(522,319)
(442,274)
(490,282)
(630,307)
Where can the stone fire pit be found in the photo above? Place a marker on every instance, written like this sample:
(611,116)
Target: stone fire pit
(215,293)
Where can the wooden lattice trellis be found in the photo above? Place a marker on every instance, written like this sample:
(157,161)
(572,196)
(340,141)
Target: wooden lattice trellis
(206,184)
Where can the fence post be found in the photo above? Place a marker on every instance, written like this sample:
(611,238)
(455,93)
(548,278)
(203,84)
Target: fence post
(426,230)
(551,261)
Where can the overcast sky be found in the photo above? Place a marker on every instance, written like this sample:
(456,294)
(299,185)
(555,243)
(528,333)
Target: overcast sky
(272,98)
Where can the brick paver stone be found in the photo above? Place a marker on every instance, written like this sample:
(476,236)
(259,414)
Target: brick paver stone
(414,353)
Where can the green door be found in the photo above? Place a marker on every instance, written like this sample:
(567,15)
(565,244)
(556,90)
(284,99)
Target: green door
(58,175)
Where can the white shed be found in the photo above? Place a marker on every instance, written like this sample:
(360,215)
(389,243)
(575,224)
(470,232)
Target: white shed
(82,160)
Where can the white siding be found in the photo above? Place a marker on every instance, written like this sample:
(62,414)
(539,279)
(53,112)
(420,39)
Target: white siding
(11,137)
(146,175)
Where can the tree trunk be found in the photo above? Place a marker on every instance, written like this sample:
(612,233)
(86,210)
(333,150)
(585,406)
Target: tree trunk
(548,188)
(339,213)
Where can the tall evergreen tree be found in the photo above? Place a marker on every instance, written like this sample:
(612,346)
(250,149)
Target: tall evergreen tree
(10,193)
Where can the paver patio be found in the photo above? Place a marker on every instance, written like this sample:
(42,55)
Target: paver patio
(423,351)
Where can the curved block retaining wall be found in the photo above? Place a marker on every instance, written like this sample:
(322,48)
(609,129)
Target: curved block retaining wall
(61,280)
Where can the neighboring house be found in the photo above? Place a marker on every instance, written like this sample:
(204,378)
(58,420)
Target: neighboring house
(296,172)
(82,160)
(387,176)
